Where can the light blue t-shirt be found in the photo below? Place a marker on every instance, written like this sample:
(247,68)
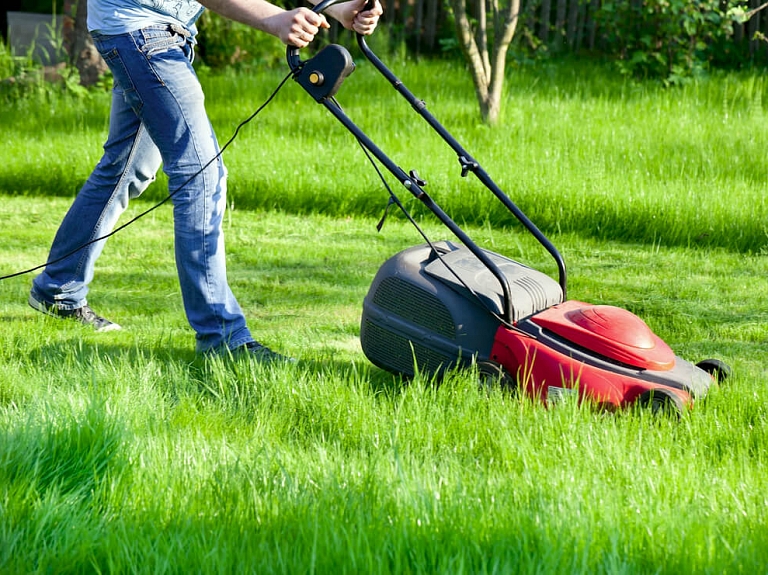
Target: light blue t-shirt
(120,16)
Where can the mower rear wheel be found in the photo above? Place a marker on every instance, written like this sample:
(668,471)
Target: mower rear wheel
(491,373)
(716,368)
(661,402)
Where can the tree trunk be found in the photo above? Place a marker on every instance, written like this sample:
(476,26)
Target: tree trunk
(573,21)
(753,26)
(430,27)
(79,45)
(591,26)
(482,35)
(546,8)
(581,17)
(487,70)
(560,13)
(418,24)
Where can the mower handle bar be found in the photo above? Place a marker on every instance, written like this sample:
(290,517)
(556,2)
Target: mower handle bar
(468,164)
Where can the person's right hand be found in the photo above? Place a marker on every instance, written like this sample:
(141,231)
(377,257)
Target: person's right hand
(353,15)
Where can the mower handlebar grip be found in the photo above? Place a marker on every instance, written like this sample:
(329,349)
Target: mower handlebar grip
(292,52)
(321,6)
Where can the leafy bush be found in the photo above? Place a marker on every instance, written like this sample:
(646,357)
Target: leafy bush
(23,78)
(20,77)
(224,43)
(667,39)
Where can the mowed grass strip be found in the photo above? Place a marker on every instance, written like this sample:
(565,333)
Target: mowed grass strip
(123,451)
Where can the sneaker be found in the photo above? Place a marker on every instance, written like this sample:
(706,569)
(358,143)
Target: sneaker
(262,353)
(85,315)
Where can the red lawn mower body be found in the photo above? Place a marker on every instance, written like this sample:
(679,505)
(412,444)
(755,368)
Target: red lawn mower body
(435,307)
(642,362)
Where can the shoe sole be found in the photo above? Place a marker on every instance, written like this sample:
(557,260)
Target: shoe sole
(110,327)
(42,308)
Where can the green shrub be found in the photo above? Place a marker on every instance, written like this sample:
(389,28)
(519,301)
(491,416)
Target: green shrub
(224,43)
(20,77)
(669,40)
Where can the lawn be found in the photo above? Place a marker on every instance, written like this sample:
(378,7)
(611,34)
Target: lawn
(123,452)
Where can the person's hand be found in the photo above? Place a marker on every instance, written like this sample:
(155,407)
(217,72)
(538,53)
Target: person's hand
(299,27)
(352,16)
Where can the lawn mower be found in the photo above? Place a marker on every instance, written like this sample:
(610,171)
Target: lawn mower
(450,304)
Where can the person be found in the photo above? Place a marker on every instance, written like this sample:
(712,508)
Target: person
(157,117)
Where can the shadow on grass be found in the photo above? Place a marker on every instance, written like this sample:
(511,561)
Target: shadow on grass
(599,218)
(182,365)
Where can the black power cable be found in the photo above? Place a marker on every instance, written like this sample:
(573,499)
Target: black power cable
(393,199)
(168,197)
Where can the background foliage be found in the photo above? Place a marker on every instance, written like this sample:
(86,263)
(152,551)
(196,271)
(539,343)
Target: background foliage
(669,40)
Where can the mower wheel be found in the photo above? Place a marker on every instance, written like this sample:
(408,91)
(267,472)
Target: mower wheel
(661,402)
(716,368)
(491,373)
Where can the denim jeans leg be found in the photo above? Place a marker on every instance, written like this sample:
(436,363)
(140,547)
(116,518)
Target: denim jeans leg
(127,167)
(153,65)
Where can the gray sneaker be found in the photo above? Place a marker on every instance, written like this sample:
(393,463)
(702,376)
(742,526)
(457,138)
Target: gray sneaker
(85,315)
(262,353)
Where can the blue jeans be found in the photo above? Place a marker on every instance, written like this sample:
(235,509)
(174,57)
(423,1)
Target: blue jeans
(157,117)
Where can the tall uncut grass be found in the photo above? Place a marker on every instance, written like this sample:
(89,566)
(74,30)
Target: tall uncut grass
(578,149)
(124,452)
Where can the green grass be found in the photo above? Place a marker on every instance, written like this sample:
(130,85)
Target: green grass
(123,452)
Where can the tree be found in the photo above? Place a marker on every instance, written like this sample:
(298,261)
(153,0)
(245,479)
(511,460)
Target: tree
(486,65)
(79,45)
